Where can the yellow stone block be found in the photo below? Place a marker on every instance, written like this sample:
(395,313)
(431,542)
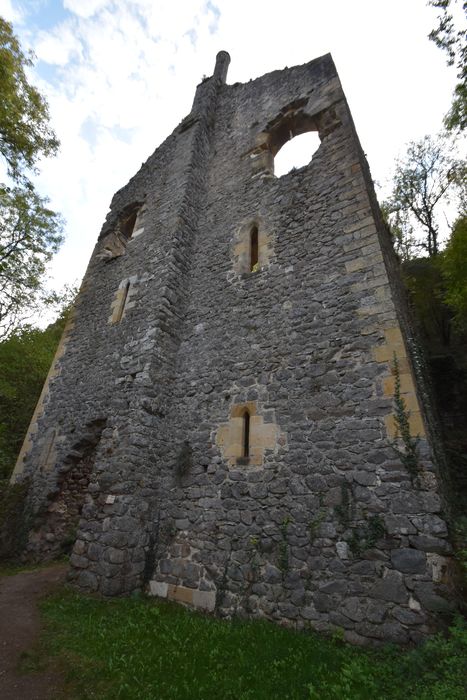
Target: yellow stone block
(406,384)
(180,594)
(376,258)
(372,310)
(391,427)
(264,440)
(385,353)
(356,264)
(416,424)
(383,292)
(359,225)
(239,409)
(222,435)
(393,335)
(234,450)
(402,366)
(411,402)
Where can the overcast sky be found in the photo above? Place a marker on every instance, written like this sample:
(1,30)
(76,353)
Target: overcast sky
(119,75)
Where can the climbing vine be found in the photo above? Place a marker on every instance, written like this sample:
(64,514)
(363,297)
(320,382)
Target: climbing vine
(409,454)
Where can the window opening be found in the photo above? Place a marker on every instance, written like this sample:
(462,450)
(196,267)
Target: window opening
(123,301)
(296,152)
(246,434)
(254,261)
(128,225)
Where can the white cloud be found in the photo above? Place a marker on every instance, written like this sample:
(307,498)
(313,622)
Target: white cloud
(85,8)
(9,12)
(59,46)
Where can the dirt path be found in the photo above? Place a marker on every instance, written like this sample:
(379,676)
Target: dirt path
(19,630)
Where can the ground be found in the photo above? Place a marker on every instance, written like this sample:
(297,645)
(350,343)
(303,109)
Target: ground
(19,631)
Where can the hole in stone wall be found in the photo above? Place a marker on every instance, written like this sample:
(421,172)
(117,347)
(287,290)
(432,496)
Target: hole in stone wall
(254,249)
(246,435)
(55,530)
(127,225)
(296,152)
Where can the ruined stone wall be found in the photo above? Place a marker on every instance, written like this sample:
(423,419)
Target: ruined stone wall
(318,520)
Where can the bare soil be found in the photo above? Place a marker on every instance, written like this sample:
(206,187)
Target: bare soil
(20,627)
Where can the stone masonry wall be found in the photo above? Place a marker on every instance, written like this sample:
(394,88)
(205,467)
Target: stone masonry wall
(318,521)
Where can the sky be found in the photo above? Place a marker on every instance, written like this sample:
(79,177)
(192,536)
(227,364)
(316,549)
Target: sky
(119,75)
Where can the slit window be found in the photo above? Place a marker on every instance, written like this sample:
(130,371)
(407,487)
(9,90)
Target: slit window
(246,434)
(123,300)
(254,260)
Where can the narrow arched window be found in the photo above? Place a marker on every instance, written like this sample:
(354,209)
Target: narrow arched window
(123,299)
(246,434)
(254,249)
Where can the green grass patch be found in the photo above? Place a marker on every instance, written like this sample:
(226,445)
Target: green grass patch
(140,649)
(11,568)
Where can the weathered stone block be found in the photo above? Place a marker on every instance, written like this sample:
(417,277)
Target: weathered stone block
(159,588)
(391,588)
(409,561)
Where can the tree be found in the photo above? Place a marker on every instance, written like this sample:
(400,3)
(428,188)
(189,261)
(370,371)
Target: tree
(453,268)
(452,39)
(30,233)
(427,177)
(25,133)
(25,358)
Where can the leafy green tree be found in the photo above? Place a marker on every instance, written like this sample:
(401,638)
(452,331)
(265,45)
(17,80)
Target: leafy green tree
(25,358)
(454,271)
(30,233)
(427,178)
(453,40)
(25,133)
(403,237)
(424,282)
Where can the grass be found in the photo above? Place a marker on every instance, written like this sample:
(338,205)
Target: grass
(11,568)
(140,649)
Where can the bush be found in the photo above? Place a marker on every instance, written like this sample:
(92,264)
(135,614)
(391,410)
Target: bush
(14,523)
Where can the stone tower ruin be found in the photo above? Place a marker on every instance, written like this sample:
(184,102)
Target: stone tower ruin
(218,425)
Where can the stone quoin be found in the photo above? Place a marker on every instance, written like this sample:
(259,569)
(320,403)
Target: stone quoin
(218,424)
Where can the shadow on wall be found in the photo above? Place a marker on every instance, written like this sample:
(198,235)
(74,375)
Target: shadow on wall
(54,531)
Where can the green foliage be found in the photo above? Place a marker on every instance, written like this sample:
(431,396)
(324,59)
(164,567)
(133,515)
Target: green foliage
(25,358)
(459,533)
(25,133)
(14,522)
(456,118)
(452,39)
(30,234)
(409,454)
(367,535)
(315,524)
(454,271)
(136,649)
(424,281)
(424,179)
(346,510)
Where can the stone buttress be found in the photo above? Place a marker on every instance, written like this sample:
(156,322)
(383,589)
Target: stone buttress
(219,422)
